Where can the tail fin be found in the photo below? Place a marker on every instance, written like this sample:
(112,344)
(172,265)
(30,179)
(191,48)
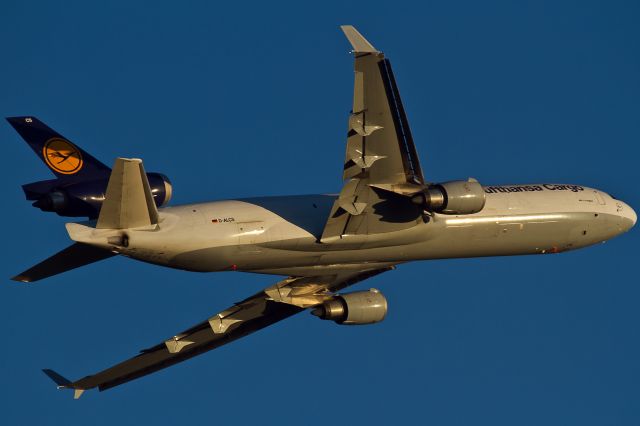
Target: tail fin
(72,257)
(128,202)
(61,156)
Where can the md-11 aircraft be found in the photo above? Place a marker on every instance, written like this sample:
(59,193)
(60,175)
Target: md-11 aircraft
(386,214)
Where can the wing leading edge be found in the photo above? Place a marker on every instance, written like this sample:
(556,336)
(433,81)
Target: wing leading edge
(380,152)
(380,145)
(273,304)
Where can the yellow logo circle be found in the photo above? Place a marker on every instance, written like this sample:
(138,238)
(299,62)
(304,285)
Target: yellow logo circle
(62,156)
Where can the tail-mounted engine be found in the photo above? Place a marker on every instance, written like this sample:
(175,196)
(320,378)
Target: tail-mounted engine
(361,307)
(75,198)
(455,197)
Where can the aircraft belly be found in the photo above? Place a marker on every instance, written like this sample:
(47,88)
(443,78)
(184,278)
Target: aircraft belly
(529,234)
(242,259)
(441,238)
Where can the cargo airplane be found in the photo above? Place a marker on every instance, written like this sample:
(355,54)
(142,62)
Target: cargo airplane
(386,214)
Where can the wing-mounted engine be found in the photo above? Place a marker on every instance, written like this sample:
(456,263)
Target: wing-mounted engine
(385,190)
(81,179)
(358,308)
(79,198)
(458,197)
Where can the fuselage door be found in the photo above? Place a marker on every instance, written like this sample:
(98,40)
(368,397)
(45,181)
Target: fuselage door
(599,198)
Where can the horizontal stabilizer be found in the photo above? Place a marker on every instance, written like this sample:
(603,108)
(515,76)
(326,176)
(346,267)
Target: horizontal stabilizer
(60,381)
(128,202)
(63,383)
(72,257)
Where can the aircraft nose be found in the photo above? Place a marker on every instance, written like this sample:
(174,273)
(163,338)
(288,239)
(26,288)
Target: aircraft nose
(627,214)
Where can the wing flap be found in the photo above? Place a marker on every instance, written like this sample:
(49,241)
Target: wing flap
(275,303)
(379,141)
(202,340)
(380,151)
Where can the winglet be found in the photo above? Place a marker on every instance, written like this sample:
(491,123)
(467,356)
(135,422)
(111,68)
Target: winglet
(63,383)
(358,42)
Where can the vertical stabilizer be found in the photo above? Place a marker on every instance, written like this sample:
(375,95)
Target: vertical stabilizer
(61,156)
(128,202)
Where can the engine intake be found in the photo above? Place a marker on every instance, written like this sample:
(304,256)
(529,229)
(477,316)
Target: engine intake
(455,197)
(358,308)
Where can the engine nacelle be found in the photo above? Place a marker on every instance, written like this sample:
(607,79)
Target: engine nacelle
(455,197)
(161,188)
(84,198)
(358,308)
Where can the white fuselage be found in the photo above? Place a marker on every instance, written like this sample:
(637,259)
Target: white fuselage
(280,235)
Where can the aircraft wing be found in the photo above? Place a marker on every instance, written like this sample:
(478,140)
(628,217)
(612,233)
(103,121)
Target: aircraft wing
(282,300)
(381,157)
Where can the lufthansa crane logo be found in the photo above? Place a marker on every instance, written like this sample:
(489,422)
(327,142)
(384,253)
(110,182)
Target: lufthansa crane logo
(62,156)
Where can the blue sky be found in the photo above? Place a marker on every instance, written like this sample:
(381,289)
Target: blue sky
(252,99)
